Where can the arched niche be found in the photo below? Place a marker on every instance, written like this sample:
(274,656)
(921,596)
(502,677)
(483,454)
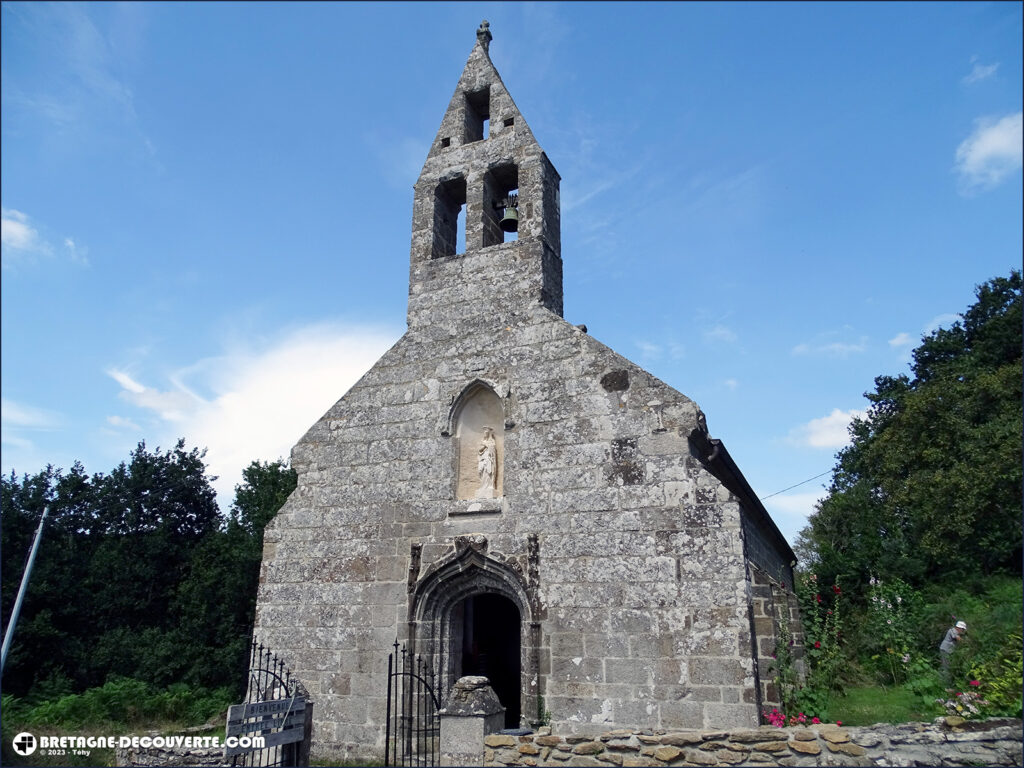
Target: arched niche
(478,424)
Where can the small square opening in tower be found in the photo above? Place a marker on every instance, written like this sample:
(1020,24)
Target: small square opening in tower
(449,218)
(478,114)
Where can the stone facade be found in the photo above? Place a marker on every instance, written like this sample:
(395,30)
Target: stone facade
(512,498)
(946,742)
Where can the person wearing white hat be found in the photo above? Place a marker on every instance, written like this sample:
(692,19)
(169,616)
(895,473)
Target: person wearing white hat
(953,636)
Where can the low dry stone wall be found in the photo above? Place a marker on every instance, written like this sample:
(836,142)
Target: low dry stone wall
(946,742)
(163,756)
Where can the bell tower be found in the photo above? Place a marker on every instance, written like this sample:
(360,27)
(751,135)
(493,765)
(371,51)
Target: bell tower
(485,228)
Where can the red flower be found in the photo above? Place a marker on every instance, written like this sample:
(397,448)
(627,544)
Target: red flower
(818,598)
(817,644)
(839,722)
(815,720)
(836,589)
(975,683)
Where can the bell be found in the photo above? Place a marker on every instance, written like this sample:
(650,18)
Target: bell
(510,221)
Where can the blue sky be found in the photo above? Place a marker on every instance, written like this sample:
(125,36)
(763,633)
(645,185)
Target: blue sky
(207,206)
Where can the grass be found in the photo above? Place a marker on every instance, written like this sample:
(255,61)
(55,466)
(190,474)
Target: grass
(870,704)
(121,707)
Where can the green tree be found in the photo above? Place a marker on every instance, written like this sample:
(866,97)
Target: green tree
(929,490)
(114,550)
(216,603)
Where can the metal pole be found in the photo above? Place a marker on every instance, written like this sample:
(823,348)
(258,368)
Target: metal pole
(9,635)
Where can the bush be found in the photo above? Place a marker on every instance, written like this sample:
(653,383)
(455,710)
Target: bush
(121,702)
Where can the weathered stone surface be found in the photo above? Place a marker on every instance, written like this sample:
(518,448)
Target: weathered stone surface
(667,754)
(770,746)
(804,746)
(623,745)
(748,737)
(499,740)
(697,757)
(734,747)
(528,749)
(836,737)
(866,739)
(803,734)
(681,739)
(618,733)
(729,757)
(850,749)
(547,741)
(588,748)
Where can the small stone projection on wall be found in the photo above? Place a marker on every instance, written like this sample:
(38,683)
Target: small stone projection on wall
(946,742)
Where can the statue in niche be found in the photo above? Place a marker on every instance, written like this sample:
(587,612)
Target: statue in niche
(487,464)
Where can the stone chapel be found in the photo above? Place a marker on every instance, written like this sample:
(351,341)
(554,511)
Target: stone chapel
(509,497)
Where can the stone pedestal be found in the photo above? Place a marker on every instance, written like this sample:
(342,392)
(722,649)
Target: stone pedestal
(471,712)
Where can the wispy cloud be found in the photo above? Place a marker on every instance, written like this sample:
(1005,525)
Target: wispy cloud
(86,95)
(942,321)
(258,402)
(720,334)
(979,72)
(993,151)
(827,431)
(901,339)
(76,253)
(648,349)
(839,349)
(18,421)
(18,234)
(20,415)
(731,384)
(122,423)
(21,241)
(651,350)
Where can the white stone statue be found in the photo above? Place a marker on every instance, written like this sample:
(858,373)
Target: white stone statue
(486,465)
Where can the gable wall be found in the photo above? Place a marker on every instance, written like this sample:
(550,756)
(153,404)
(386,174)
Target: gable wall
(641,577)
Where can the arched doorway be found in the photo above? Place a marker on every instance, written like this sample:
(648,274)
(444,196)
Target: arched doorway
(470,614)
(490,645)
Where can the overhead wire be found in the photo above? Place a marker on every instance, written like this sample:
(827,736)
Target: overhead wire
(796,486)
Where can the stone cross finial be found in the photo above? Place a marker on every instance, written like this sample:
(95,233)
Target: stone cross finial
(483,35)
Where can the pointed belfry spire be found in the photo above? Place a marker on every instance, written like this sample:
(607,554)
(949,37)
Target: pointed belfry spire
(484,171)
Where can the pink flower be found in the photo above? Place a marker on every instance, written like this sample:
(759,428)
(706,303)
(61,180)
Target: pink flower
(839,722)
(815,720)
(817,643)
(975,683)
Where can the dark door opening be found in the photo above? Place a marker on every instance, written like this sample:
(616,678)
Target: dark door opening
(490,647)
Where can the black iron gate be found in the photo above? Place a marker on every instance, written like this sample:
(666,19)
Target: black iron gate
(413,726)
(276,709)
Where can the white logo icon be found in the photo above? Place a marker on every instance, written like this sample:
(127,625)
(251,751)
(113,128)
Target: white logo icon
(24,744)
